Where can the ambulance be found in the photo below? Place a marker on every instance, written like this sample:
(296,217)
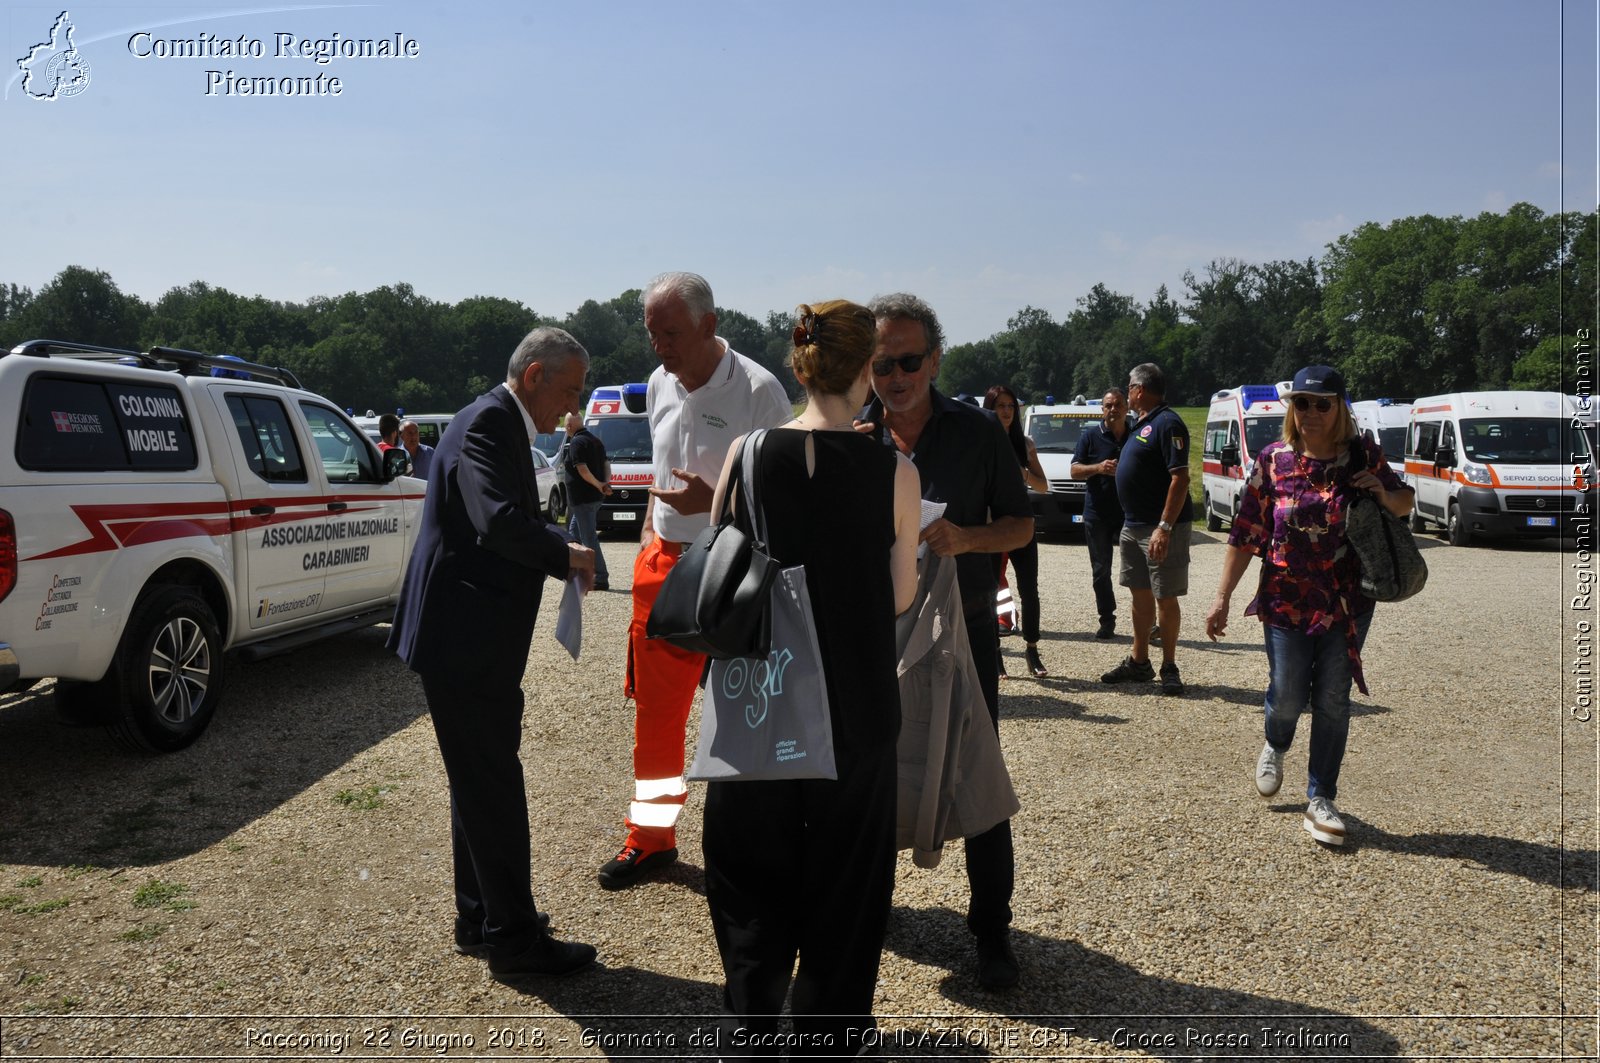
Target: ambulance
(1239,423)
(616,415)
(1385,421)
(1499,464)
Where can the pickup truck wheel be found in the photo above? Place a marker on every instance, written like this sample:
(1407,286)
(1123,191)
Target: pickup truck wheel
(1457,530)
(1213,522)
(171,665)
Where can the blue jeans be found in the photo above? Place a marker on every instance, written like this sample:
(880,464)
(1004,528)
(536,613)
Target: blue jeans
(1312,670)
(583,523)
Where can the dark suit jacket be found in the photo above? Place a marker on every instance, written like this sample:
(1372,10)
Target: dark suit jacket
(472,589)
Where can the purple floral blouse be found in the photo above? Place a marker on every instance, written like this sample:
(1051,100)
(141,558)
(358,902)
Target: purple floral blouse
(1292,514)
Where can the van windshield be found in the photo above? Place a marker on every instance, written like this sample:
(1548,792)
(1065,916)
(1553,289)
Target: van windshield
(625,438)
(1057,433)
(1523,441)
(1259,431)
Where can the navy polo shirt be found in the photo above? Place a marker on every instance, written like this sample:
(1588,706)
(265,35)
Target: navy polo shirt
(965,461)
(1157,443)
(1100,502)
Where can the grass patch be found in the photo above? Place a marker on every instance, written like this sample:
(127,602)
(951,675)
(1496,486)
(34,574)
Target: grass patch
(79,870)
(1194,419)
(31,882)
(10,901)
(158,894)
(367,798)
(142,932)
(236,847)
(31,979)
(42,907)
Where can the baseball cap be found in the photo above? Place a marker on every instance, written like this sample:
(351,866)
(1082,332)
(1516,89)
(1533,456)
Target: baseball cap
(1318,380)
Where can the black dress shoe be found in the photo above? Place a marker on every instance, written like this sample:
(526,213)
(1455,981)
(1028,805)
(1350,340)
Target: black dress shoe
(545,958)
(470,942)
(601,585)
(997,967)
(631,864)
(1106,629)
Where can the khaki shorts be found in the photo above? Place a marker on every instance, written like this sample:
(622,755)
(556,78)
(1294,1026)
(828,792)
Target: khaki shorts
(1169,579)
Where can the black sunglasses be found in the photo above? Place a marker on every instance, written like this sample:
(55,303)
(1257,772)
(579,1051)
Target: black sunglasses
(908,363)
(1303,404)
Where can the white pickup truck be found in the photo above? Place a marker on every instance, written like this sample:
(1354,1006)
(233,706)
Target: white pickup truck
(162,509)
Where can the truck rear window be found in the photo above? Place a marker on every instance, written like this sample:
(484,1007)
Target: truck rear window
(74,424)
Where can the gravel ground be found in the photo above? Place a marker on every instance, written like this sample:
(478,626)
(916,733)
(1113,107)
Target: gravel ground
(281,890)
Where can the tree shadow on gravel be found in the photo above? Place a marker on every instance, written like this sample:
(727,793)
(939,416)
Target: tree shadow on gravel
(1546,865)
(73,796)
(1071,997)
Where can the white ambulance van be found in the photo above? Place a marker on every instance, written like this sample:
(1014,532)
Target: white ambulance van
(1239,423)
(616,414)
(1055,431)
(1385,421)
(1499,464)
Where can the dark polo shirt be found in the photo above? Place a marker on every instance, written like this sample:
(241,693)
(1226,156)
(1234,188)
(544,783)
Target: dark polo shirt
(1100,491)
(1157,443)
(965,461)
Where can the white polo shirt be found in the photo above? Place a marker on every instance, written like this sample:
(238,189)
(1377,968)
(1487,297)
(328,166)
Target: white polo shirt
(693,429)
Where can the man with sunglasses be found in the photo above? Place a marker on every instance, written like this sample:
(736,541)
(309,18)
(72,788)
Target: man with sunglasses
(965,462)
(1153,487)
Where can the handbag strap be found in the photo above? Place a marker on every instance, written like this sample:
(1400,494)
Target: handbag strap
(749,464)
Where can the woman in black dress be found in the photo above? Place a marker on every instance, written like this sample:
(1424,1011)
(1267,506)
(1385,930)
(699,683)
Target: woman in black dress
(806,867)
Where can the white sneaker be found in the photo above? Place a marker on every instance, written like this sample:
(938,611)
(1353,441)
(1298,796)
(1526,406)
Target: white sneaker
(1322,822)
(1269,770)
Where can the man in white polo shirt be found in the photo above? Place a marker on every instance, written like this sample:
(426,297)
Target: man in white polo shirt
(702,397)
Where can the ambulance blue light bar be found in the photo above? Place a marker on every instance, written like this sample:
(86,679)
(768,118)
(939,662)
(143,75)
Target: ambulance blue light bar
(1251,394)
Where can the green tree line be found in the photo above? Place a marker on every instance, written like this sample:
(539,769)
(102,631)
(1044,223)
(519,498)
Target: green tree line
(1418,306)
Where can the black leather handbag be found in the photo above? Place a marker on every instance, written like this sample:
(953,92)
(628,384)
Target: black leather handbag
(717,598)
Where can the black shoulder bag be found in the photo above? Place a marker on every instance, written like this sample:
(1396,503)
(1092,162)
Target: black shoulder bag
(716,599)
(1392,568)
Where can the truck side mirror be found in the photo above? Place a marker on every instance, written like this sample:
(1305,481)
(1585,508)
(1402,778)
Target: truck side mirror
(1229,455)
(1444,458)
(396,463)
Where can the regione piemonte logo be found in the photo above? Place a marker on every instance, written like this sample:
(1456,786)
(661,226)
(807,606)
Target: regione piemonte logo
(55,69)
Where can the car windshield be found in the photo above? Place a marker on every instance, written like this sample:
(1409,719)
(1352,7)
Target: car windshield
(1259,431)
(1523,441)
(625,438)
(1393,441)
(1057,433)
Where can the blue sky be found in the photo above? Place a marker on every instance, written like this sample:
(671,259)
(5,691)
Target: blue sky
(986,155)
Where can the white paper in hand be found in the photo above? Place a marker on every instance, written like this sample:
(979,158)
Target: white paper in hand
(569,618)
(931,511)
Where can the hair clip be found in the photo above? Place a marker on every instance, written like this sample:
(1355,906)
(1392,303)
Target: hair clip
(806,332)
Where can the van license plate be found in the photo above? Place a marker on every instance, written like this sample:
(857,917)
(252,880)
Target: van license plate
(1541,522)
(1077,518)
(624,514)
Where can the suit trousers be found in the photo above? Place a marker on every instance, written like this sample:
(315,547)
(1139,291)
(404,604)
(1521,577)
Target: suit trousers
(478,722)
(803,867)
(991,862)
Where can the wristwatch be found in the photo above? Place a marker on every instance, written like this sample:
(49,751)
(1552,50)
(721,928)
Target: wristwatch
(1164,525)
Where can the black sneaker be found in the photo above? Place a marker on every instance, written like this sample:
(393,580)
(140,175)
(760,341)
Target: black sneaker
(1130,671)
(631,864)
(545,958)
(1171,682)
(1106,629)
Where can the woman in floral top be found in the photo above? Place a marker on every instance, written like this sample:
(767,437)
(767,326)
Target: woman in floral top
(1314,615)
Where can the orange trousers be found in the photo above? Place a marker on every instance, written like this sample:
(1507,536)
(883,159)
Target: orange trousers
(661,680)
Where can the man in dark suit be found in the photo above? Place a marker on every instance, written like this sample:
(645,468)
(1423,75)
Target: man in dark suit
(464,625)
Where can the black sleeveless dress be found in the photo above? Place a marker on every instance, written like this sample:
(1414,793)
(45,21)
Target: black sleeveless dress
(839,523)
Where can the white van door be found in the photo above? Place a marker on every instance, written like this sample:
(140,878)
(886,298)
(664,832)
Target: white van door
(280,500)
(361,552)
